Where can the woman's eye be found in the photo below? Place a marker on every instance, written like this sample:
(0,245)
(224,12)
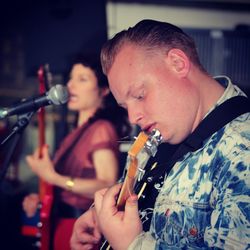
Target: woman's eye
(82,79)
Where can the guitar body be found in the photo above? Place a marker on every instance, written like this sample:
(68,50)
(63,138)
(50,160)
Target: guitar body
(38,227)
(45,211)
(143,148)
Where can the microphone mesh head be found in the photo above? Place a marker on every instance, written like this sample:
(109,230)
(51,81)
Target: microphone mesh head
(58,94)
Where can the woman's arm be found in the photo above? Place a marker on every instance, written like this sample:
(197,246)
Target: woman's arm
(106,167)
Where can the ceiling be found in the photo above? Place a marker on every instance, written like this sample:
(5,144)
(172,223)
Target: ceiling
(236,5)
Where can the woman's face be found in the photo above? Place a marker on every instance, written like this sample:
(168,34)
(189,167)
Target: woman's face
(84,93)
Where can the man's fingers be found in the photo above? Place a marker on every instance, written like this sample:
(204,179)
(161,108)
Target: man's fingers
(83,240)
(131,208)
(105,202)
(98,199)
(88,238)
(77,245)
(111,196)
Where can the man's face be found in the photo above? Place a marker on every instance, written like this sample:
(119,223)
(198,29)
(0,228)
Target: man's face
(153,93)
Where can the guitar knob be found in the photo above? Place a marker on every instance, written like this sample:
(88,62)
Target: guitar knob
(39,224)
(155,138)
(149,179)
(156,135)
(37,244)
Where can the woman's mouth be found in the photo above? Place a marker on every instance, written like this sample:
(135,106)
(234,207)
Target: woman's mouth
(73,97)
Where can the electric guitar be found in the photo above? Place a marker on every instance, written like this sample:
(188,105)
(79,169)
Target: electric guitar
(38,227)
(142,149)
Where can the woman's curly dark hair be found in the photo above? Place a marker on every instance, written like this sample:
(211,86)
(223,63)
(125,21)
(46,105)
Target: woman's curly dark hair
(110,110)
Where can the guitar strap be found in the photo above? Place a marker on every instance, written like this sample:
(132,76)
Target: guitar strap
(214,121)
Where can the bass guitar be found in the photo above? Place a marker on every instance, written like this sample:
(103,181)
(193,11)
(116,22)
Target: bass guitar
(45,189)
(142,149)
(38,227)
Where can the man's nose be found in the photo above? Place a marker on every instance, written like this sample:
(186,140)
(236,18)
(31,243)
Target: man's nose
(134,115)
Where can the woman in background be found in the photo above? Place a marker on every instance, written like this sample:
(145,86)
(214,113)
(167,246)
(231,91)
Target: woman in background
(87,159)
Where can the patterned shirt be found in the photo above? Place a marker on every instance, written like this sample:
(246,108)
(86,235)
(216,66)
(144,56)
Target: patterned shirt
(204,202)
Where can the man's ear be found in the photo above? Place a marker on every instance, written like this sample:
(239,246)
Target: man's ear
(178,62)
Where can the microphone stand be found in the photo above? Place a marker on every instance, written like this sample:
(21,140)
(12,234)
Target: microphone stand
(18,128)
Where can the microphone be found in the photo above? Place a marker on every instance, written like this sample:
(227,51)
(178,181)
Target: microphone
(57,95)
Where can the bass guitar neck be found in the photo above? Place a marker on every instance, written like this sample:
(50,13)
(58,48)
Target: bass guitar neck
(142,149)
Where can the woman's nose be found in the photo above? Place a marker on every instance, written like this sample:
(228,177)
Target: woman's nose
(70,83)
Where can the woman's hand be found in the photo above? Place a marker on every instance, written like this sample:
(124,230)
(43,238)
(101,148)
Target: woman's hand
(30,204)
(42,166)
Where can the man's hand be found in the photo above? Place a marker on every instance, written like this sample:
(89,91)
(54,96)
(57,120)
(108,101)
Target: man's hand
(86,234)
(120,228)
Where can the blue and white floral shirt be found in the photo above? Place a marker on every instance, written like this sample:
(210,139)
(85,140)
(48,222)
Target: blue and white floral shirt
(204,202)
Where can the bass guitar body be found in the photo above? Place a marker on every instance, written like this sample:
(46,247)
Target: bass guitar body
(37,229)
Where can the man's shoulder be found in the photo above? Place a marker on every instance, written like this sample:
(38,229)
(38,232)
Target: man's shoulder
(232,142)
(228,143)
(238,131)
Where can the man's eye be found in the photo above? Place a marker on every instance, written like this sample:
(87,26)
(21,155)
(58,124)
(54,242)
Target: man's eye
(140,96)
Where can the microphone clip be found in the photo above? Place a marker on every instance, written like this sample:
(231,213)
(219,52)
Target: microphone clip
(21,124)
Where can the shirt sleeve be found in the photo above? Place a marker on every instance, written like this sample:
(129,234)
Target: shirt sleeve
(143,241)
(103,136)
